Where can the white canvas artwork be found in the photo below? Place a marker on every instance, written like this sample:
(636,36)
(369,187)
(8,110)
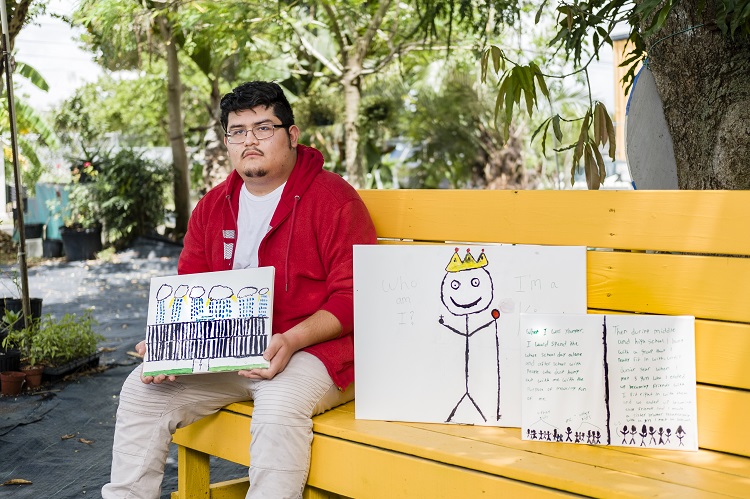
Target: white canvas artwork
(625,380)
(437,327)
(209,322)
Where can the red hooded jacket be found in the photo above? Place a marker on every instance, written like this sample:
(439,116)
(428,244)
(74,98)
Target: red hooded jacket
(318,219)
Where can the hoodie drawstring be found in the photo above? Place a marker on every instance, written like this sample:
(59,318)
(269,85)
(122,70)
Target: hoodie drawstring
(230,261)
(289,244)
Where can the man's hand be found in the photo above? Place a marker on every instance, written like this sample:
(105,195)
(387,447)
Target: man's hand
(141,349)
(278,353)
(320,326)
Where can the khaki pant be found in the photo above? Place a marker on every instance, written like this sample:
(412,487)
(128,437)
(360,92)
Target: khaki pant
(281,429)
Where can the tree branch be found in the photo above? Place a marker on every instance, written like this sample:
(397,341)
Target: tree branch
(310,49)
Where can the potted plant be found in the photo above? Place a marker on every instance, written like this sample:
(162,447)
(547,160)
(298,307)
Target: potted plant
(82,231)
(11,307)
(22,339)
(59,345)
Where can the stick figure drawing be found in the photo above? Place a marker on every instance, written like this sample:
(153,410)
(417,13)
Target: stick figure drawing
(467,290)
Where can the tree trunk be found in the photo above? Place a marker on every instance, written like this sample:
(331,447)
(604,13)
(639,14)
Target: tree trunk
(17,12)
(216,165)
(500,165)
(181,182)
(703,78)
(352,96)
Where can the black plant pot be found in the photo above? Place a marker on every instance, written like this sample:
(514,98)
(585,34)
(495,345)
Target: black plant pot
(33,231)
(10,360)
(52,248)
(81,244)
(16,305)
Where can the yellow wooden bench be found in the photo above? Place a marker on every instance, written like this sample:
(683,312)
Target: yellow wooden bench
(678,253)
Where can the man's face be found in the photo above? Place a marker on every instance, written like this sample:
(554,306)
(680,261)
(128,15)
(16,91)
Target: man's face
(263,164)
(467,291)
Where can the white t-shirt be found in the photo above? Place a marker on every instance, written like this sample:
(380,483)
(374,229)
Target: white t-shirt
(253,223)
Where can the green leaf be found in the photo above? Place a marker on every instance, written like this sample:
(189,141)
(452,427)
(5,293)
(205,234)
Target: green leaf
(32,75)
(578,152)
(539,79)
(539,128)
(28,151)
(539,12)
(572,175)
(597,123)
(593,179)
(483,64)
(739,18)
(721,16)
(526,79)
(610,135)
(556,127)
(544,139)
(596,44)
(582,138)
(30,120)
(659,19)
(497,58)
(600,162)
(603,33)
(501,95)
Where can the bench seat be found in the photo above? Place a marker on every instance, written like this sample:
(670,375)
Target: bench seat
(358,458)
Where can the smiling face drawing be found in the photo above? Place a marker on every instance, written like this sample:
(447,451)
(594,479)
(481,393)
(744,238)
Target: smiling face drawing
(467,291)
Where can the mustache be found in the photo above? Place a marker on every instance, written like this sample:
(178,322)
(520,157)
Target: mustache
(251,149)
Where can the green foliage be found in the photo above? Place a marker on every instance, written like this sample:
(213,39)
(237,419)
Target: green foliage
(133,108)
(581,31)
(51,341)
(33,131)
(83,209)
(520,80)
(445,125)
(125,192)
(132,191)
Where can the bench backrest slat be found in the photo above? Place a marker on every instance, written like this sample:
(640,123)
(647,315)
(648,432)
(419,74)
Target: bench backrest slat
(688,221)
(706,287)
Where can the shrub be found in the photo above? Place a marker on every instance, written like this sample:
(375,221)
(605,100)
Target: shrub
(125,192)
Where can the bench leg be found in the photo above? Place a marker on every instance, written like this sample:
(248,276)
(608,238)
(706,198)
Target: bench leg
(193,474)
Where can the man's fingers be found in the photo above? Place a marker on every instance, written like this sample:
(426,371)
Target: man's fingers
(271,351)
(141,347)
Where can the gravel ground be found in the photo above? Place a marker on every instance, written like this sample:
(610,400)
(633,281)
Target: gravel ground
(60,438)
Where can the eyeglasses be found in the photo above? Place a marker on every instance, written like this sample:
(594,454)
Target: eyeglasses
(260,132)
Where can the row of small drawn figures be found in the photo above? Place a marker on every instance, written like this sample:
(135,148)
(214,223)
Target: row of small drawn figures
(593,437)
(648,435)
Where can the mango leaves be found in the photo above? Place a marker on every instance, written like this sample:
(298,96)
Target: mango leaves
(525,82)
(587,147)
(519,81)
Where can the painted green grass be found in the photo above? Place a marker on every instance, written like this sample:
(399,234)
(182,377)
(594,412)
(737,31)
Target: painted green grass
(215,369)
(170,372)
(237,368)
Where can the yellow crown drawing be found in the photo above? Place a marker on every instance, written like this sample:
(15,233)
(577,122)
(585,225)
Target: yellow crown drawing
(457,265)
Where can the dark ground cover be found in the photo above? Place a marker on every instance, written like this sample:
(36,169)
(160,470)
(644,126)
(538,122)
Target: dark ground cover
(59,438)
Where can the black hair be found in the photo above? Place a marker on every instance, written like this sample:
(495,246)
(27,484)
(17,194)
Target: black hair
(257,93)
